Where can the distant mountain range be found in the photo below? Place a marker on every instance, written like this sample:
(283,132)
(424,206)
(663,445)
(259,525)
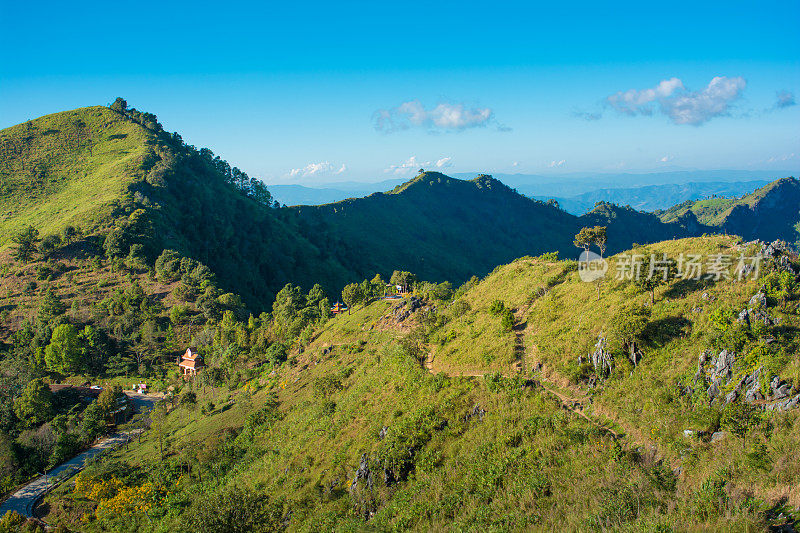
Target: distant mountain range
(576,193)
(653,197)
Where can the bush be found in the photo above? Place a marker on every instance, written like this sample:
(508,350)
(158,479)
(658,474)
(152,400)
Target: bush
(496,308)
(276,353)
(168,266)
(235,509)
(507,320)
(189,399)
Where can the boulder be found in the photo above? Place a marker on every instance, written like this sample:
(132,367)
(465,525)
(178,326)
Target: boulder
(718,436)
(601,360)
(759,299)
(362,473)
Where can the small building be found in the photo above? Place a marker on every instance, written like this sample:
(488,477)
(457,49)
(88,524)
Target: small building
(191,362)
(338,308)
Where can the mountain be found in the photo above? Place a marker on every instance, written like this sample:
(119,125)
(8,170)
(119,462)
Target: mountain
(769,213)
(576,183)
(444,228)
(117,173)
(653,197)
(134,188)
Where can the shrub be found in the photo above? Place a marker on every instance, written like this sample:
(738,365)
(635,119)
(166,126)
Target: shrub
(189,399)
(507,320)
(496,308)
(276,353)
(168,266)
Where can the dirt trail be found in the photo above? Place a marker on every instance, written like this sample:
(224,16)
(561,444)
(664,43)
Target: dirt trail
(568,402)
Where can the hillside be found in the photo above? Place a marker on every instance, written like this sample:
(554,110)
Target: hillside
(432,414)
(444,228)
(118,173)
(770,212)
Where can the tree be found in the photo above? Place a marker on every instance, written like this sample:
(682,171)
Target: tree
(738,418)
(63,354)
(93,422)
(35,405)
(654,272)
(51,306)
(627,325)
(405,279)
(351,295)
(119,105)
(69,234)
(378,286)
(584,239)
(600,238)
(49,244)
(26,244)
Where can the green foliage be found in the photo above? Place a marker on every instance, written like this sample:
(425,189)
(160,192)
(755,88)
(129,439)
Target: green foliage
(396,454)
(234,510)
(276,353)
(496,308)
(51,306)
(49,244)
(352,295)
(63,354)
(35,405)
(654,271)
(506,320)
(26,244)
(628,324)
(739,418)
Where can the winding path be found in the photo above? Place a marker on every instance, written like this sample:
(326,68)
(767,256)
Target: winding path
(24,500)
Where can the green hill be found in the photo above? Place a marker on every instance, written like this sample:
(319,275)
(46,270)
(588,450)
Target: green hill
(444,228)
(117,172)
(769,213)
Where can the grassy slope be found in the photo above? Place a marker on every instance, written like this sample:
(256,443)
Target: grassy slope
(63,168)
(564,324)
(529,464)
(91,167)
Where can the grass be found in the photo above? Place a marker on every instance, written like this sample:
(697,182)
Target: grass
(66,169)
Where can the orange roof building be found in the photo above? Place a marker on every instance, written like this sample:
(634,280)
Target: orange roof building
(191,362)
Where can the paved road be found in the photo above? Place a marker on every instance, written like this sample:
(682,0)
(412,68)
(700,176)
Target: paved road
(25,498)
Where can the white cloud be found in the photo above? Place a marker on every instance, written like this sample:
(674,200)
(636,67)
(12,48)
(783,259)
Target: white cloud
(666,159)
(515,164)
(698,107)
(637,102)
(443,117)
(557,164)
(412,164)
(679,104)
(781,158)
(316,169)
(784,99)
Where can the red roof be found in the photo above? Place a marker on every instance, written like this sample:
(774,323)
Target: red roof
(189,364)
(191,354)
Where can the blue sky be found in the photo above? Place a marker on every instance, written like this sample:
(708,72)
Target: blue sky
(319,92)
